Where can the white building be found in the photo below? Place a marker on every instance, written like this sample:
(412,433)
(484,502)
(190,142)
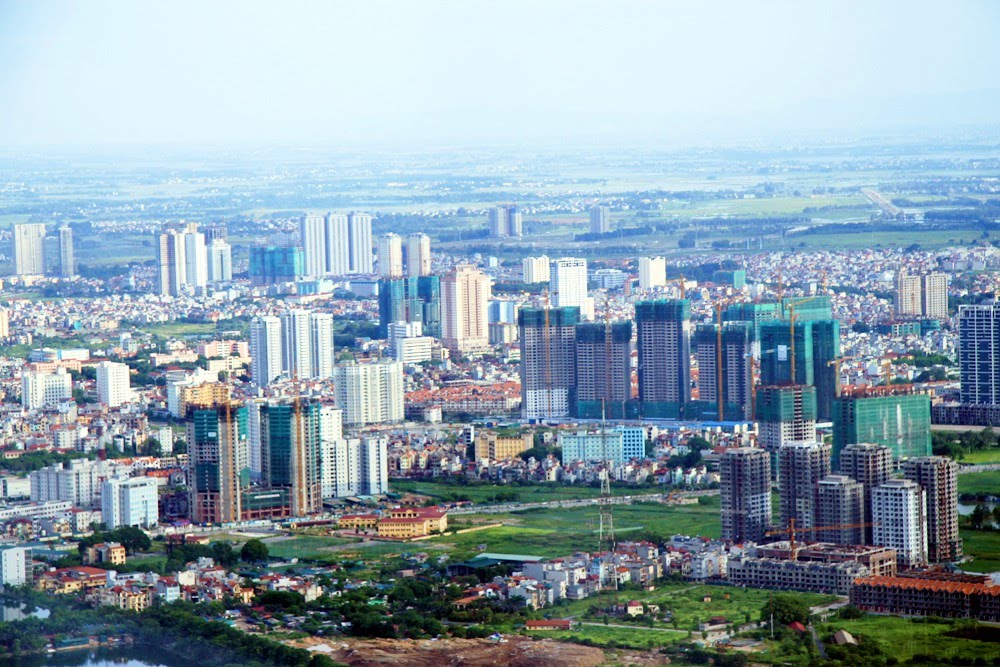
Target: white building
(220,261)
(390,256)
(899,512)
(29,249)
(312,238)
(618,445)
(418,255)
(338,245)
(568,282)
(465,306)
(39,389)
(165,436)
(15,565)
(370,393)
(265,350)
(113,384)
(76,481)
(600,220)
(652,272)
(374,466)
(296,351)
(409,345)
(129,502)
(359,228)
(535,269)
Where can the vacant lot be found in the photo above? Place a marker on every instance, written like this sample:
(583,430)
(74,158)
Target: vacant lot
(904,638)
(980,483)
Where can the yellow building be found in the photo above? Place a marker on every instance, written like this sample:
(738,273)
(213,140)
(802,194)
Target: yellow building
(408,522)
(203,395)
(111,553)
(357,521)
(492,446)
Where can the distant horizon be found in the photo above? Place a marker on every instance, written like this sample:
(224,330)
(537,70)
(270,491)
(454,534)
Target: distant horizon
(448,73)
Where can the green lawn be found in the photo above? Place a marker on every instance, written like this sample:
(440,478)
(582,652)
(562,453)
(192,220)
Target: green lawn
(984,546)
(304,546)
(686,602)
(561,531)
(608,636)
(904,638)
(982,456)
(980,483)
(485,494)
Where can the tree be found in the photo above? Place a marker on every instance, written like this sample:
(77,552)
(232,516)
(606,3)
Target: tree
(254,551)
(786,609)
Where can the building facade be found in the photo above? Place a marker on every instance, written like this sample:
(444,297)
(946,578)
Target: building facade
(745,492)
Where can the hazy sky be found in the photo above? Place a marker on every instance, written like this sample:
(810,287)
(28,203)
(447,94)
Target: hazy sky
(427,72)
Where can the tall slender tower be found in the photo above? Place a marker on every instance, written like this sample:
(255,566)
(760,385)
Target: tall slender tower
(979,353)
(338,244)
(801,466)
(600,220)
(663,336)
(604,370)
(67,259)
(359,228)
(735,373)
(390,256)
(418,255)
(29,249)
(745,494)
(465,297)
(265,350)
(840,502)
(871,466)
(218,461)
(938,476)
(548,361)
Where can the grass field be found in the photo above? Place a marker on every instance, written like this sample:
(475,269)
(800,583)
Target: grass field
(534,493)
(984,545)
(903,638)
(304,546)
(561,531)
(928,239)
(687,602)
(983,456)
(980,483)
(610,636)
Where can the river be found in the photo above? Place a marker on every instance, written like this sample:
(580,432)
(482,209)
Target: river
(101,657)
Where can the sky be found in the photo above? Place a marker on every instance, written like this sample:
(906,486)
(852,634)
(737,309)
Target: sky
(468,72)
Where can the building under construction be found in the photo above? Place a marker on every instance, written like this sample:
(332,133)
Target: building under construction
(954,596)
(724,358)
(548,361)
(218,468)
(663,335)
(817,567)
(893,416)
(604,371)
(785,414)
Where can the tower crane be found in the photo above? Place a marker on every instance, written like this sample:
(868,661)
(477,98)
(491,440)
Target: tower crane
(792,530)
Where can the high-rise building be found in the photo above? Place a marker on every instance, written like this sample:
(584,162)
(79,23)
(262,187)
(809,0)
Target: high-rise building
(312,238)
(663,335)
(338,245)
(218,466)
(979,353)
(321,347)
(418,255)
(465,300)
(505,221)
(600,220)
(390,256)
(29,249)
(182,260)
(410,300)
(15,565)
(800,467)
(938,476)
(374,466)
(922,296)
(754,313)
(816,344)
(77,481)
(840,501)
(733,367)
(113,386)
(296,351)
(652,272)
(67,258)
(535,269)
(292,451)
(745,492)
(369,393)
(272,265)
(548,361)
(4,323)
(785,414)
(265,350)
(39,388)
(901,422)
(129,502)
(899,512)
(604,371)
(568,282)
(359,234)
(195,258)
(220,261)
(871,466)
